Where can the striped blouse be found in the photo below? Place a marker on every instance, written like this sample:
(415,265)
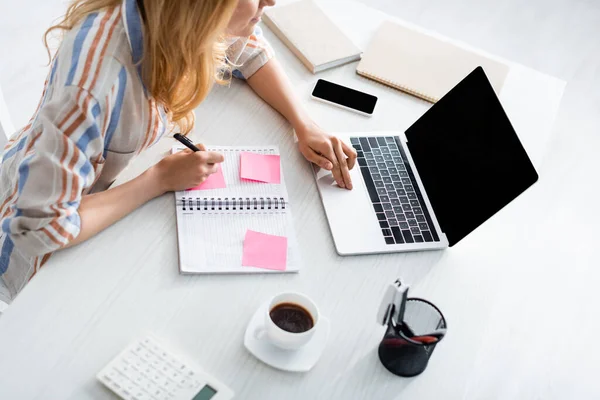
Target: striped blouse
(94,117)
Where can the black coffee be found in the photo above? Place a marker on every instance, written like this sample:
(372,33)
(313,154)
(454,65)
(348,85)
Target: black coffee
(291,317)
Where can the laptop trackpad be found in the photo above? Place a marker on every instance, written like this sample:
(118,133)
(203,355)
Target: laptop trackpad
(351,216)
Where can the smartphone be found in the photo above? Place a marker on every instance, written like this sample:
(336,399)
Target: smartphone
(344,97)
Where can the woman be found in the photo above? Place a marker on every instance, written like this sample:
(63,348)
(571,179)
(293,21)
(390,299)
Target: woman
(126,71)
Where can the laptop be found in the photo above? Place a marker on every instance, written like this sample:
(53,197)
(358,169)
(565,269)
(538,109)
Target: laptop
(429,187)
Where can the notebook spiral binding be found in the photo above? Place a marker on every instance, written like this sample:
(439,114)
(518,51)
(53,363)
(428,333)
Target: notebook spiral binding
(398,87)
(232,203)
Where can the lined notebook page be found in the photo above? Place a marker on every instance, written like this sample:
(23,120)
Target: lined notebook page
(211,232)
(213,242)
(237,187)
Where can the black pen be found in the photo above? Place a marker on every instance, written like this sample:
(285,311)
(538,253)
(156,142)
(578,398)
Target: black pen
(185,141)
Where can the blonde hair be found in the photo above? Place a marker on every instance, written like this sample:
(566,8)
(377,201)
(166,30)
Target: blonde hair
(184,49)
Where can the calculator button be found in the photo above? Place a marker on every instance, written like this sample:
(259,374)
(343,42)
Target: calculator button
(165,383)
(124,369)
(150,386)
(175,375)
(194,385)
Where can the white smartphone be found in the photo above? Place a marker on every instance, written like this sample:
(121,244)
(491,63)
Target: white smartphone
(344,97)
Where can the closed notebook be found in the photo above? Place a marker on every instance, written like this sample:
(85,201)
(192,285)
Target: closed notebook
(212,224)
(311,35)
(422,65)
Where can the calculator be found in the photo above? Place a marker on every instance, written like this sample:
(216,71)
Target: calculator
(147,371)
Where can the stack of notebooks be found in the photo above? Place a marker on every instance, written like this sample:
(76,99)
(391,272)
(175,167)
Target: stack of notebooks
(403,58)
(239,220)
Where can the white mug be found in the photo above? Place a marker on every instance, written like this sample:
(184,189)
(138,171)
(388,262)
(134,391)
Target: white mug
(284,339)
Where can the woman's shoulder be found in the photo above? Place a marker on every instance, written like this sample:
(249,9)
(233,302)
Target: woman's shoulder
(93,53)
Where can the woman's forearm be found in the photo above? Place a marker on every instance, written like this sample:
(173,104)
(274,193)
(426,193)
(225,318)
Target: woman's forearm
(273,86)
(100,210)
(317,146)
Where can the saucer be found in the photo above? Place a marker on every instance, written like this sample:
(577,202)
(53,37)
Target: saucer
(301,360)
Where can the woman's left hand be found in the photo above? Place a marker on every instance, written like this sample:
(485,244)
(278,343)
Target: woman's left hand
(328,152)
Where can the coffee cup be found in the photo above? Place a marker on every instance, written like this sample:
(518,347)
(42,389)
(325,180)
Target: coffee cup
(291,320)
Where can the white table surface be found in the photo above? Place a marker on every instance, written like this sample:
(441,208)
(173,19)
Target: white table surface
(504,289)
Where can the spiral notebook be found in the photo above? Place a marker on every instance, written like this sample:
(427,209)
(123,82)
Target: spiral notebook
(423,65)
(212,224)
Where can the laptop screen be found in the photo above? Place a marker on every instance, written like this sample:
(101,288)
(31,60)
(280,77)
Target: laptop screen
(469,157)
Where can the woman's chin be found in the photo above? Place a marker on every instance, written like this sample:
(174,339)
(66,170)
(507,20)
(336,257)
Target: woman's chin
(248,30)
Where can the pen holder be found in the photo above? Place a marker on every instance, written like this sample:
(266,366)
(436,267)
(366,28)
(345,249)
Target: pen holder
(408,354)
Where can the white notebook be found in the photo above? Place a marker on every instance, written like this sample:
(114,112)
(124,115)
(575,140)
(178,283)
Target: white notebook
(211,224)
(422,65)
(311,35)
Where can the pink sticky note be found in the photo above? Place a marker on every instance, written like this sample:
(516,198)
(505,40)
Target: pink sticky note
(260,167)
(264,251)
(214,181)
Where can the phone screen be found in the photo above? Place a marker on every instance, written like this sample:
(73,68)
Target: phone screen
(345,96)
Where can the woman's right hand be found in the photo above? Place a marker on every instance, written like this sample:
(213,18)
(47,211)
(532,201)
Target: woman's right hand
(186,169)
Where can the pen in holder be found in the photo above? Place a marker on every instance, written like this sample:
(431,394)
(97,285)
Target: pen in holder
(414,327)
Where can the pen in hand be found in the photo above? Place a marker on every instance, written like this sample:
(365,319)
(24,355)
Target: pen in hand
(186,142)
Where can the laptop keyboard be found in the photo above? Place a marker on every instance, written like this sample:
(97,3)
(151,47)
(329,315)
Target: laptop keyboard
(392,187)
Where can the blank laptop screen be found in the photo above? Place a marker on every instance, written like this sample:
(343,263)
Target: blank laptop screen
(469,157)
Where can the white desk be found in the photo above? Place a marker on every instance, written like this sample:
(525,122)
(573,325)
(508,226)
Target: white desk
(500,289)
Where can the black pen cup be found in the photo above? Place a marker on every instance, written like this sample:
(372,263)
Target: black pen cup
(405,354)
